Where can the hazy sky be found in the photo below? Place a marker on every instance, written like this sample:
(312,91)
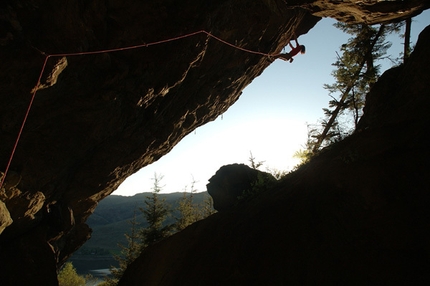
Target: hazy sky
(270,118)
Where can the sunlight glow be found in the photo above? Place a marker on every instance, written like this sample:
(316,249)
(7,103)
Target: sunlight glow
(270,118)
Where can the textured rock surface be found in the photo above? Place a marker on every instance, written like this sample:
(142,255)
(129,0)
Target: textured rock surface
(233,182)
(5,219)
(368,11)
(355,215)
(97,119)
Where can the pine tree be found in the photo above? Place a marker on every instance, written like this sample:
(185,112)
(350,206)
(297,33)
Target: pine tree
(253,163)
(128,253)
(188,211)
(155,212)
(407,45)
(207,207)
(355,74)
(68,276)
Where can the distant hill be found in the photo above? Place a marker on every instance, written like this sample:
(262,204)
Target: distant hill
(111,221)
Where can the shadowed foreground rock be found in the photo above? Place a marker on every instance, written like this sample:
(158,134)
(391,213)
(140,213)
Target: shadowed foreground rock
(356,214)
(96,119)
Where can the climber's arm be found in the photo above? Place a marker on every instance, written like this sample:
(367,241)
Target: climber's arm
(295,39)
(297,42)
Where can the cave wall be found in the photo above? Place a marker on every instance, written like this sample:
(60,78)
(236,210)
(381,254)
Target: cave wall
(96,119)
(110,114)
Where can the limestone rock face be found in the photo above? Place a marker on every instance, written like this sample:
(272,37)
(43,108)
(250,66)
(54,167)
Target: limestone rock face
(96,119)
(5,219)
(369,12)
(357,214)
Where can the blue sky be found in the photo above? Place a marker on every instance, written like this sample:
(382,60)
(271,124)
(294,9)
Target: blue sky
(270,118)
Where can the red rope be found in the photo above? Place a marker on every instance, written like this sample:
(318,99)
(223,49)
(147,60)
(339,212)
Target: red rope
(23,123)
(109,51)
(160,42)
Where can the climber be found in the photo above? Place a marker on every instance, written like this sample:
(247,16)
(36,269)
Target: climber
(294,51)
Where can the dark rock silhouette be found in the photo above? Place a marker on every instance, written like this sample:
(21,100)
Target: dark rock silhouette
(232,182)
(97,119)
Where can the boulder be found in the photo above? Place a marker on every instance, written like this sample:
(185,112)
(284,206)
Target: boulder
(233,183)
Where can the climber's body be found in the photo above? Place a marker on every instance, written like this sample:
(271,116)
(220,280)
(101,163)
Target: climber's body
(294,51)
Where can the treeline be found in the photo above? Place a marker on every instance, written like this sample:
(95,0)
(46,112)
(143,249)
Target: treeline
(156,211)
(161,220)
(93,251)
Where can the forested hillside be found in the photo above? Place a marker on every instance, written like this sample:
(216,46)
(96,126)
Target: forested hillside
(111,221)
